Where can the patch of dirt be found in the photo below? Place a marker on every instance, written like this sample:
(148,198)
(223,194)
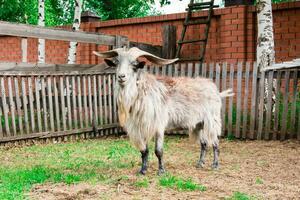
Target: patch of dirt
(242,163)
(66,192)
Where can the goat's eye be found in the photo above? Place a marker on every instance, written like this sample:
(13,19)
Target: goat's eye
(115,61)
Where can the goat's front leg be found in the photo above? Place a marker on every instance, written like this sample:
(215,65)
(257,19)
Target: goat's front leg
(159,142)
(145,154)
(201,161)
(216,150)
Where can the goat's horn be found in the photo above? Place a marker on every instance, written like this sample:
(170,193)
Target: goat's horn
(136,52)
(108,54)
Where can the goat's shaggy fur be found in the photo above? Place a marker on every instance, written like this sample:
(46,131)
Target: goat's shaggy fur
(155,104)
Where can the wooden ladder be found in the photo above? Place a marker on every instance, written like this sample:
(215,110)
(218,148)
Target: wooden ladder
(191,21)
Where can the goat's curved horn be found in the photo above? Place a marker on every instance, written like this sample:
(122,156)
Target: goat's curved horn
(108,54)
(136,53)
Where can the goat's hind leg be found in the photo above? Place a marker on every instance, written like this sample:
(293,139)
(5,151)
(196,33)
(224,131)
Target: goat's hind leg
(144,154)
(159,142)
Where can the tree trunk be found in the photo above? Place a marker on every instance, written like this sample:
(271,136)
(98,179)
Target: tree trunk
(41,22)
(75,27)
(265,54)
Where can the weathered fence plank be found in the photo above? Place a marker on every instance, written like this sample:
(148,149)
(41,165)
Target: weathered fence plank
(100,85)
(25,105)
(12,105)
(245,103)
(45,112)
(224,81)
(69,108)
(217,81)
(176,70)
(49,90)
(62,102)
(285,105)
(110,117)
(32,112)
(261,105)
(182,69)
(238,99)
(269,104)
(95,111)
(253,101)
(277,105)
(5,107)
(79,101)
(230,106)
(37,85)
(56,104)
(19,104)
(190,70)
(211,70)
(294,104)
(86,116)
(203,70)
(104,82)
(90,99)
(197,70)
(74,103)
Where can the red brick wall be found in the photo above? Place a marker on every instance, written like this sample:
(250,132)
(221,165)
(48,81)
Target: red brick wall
(232,35)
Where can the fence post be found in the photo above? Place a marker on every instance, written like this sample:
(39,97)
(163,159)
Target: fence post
(24,49)
(168,41)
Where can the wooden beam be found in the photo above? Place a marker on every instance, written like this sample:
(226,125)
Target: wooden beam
(285,65)
(153,49)
(23,30)
(169,41)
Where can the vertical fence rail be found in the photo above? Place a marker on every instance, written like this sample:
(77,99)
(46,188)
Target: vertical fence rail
(265,105)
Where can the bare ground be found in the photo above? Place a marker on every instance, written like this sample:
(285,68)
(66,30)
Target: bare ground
(264,169)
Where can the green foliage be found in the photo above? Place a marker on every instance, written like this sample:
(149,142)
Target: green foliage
(180,184)
(62,12)
(240,196)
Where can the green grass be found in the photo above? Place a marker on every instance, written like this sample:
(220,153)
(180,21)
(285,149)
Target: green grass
(73,162)
(143,183)
(180,184)
(240,196)
(259,180)
(104,161)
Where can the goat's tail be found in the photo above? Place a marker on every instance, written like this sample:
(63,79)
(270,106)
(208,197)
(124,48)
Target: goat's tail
(227,93)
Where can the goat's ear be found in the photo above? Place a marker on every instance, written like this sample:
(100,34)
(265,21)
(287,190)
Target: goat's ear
(110,63)
(141,65)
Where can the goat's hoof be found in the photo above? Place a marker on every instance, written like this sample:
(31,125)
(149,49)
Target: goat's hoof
(161,171)
(215,166)
(200,164)
(142,172)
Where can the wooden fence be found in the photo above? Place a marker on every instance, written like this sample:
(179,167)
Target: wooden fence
(56,104)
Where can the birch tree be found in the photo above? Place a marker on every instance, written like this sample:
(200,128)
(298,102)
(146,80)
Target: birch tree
(265,54)
(41,22)
(75,27)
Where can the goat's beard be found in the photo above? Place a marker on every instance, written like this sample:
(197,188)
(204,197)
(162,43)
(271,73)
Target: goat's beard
(126,96)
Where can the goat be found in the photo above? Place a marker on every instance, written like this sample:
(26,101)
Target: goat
(148,104)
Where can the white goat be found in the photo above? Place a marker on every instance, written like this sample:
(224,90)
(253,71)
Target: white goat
(148,105)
